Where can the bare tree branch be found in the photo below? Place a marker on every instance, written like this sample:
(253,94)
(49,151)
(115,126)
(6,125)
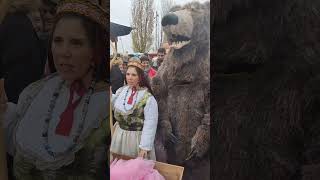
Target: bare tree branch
(142,20)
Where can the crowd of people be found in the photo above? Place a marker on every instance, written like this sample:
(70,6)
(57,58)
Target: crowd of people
(119,66)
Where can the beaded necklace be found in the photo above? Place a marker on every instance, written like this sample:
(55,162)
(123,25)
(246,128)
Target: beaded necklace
(124,100)
(49,117)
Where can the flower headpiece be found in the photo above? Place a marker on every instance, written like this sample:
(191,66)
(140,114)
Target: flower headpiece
(85,8)
(135,64)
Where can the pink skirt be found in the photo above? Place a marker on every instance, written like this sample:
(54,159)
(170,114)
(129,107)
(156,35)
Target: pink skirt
(134,169)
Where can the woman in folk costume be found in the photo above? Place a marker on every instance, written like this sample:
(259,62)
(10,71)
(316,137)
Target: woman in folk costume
(58,129)
(136,112)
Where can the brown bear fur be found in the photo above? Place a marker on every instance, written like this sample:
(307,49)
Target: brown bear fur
(266,88)
(182,90)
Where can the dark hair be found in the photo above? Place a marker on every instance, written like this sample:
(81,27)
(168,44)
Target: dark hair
(144,58)
(143,79)
(98,41)
(162,50)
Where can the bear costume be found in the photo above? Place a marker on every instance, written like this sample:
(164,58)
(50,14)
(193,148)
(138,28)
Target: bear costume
(266,90)
(182,89)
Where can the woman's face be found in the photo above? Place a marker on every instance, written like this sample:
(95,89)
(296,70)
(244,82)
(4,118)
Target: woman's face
(132,77)
(71,50)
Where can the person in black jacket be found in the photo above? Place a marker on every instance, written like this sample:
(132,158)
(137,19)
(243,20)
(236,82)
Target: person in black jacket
(22,55)
(116,75)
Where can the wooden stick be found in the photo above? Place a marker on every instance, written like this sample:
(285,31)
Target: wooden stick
(111,118)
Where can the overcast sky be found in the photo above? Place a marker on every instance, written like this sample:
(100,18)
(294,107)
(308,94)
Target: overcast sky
(120,12)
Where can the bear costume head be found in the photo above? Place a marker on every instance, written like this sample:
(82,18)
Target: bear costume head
(187,30)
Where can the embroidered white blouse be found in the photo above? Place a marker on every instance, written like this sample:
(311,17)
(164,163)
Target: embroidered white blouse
(28,133)
(150,113)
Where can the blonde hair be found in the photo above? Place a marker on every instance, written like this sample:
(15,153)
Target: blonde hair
(118,61)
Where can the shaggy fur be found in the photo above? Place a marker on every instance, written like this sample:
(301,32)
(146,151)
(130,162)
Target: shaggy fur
(266,90)
(181,88)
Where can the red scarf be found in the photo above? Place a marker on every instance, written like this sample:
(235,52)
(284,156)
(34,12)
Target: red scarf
(66,118)
(133,92)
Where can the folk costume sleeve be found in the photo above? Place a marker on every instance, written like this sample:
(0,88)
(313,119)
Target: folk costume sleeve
(115,96)
(149,125)
(16,111)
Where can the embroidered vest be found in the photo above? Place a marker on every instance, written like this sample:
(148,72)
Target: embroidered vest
(132,120)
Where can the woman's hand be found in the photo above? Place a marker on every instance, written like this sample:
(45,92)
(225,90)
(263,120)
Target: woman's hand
(143,153)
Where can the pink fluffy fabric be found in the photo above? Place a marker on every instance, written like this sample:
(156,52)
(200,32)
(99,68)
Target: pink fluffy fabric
(134,169)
